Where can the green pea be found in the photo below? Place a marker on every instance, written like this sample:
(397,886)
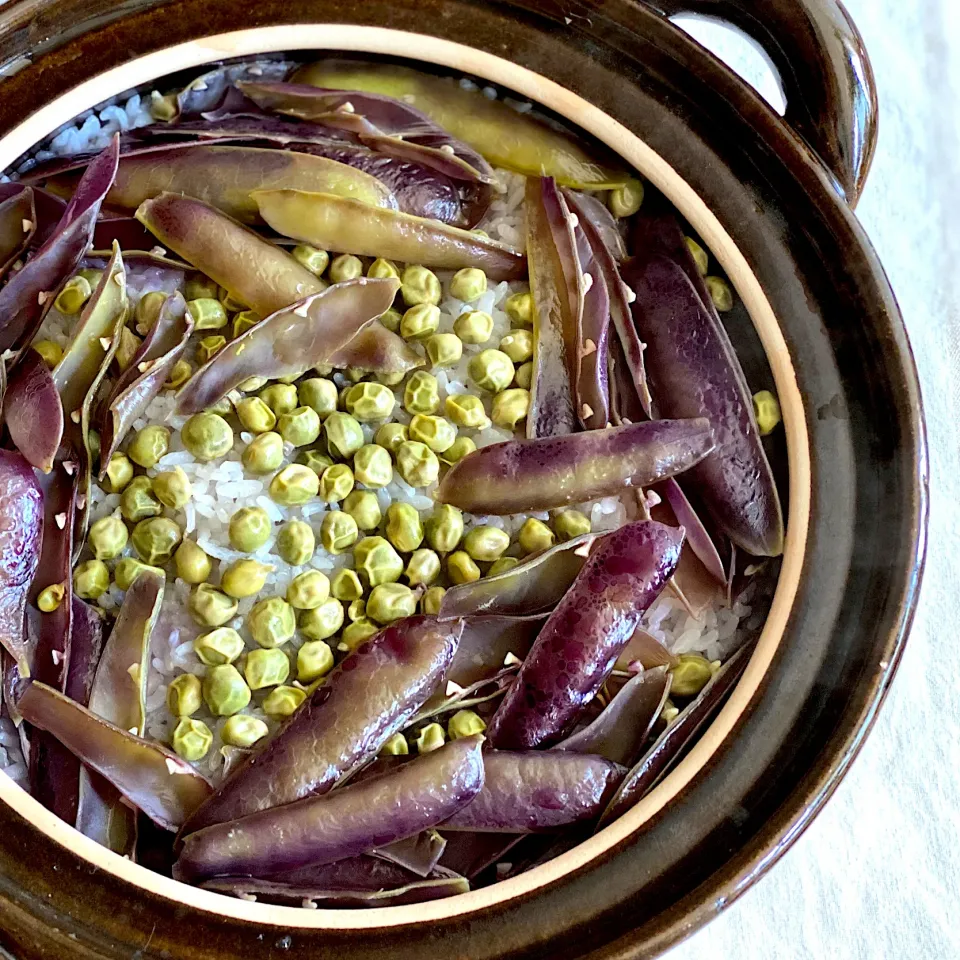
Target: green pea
(357,610)
(283,702)
(343,434)
(431,738)
(502,566)
(345,267)
(127,349)
(491,370)
(314,660)
(420,321)
(299,427)
(155,539)
(669,713)
(107,537)
(294,484)
(435,432)
(419,285)
(191,739)
(249,529)
(535,536)
(700,258)
(390,436)
(50,598)
(127,570)
(444,349)
(519,308)
(570,524)
(242,322)
(338,532)
(192,563)
(208,314)
(308,590)
(431,600)
(372,466)
(242,730)
(510,407)
(149,445)
(369,401)
(357,633)
(376,561)
(423,568)
(486,543)
(470,283)
(404,529)
(336,483)
(244,578)
(364,507)
(219,646)
(296,542)
(225,691)
(223,407)
(209,607)
(209,347)
(255,415)
(524,375)
(272,622)
(322,622)
(91,580)
(199,286)
(313,258)
(444,528)
(316,461)
(263,454)
(382,269)
(52,353)
(518,345)
(266,668)
(466,410)
(182,371)
(460,448)
(422,393)
(766,408)
(691,674)
(172,488)
(417,464)
(281,398)
(720,293)
(391,320)
(75,293)
(626,200)
(465,723)
(118,474)
(396,746)
(474,326)
(390,602)
(346,586)
(461,568)
(207,436)
(183,695)
(230,300)
(319,394)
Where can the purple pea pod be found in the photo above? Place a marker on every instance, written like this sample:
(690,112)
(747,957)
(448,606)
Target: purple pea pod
(580,642)
(653,766)
(419,854)
(348,822)
(698,539)
(291,340)
(645,651)
(32,411)
(26,296)
(696,373)
(532,587)
(537,790)
(86,648)
(621,729)
(469,854)
(528,475)
(209,91)
(18,223)
(596,212)
(21,533)
(377,350)
(344,723)
(488,642)
(152,778)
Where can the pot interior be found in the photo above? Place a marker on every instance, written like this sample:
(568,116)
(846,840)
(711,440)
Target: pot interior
(753,328)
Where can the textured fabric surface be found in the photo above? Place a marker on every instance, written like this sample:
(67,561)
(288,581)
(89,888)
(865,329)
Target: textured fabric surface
(876,876)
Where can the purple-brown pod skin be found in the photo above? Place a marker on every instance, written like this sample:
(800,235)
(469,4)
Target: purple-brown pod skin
(32,411)
(18,223)
(580,642)
(362,703)
(695,373)
(377,350)
(486,642)
(526,475)
(597,213)
(209,91)
(469,854)
(698,539)
(419,853)
(533,791)
(344,823)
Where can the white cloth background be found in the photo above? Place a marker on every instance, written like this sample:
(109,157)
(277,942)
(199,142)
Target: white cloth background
(877,875)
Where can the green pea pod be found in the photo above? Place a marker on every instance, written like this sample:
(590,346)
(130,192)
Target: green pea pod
(18,223)
(254,271)
(337,223)
(151,777)
(291,340)
(118,695)
(505,137)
